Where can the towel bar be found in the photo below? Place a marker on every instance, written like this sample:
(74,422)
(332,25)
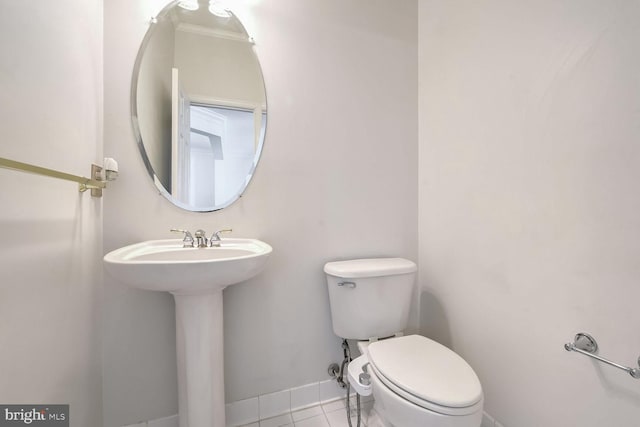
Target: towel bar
(587,345)
(84,184)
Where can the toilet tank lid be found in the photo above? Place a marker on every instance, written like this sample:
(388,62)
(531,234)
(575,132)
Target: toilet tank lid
(370,267)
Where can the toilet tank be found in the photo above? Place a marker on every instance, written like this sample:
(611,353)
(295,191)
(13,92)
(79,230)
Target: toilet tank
(370,298)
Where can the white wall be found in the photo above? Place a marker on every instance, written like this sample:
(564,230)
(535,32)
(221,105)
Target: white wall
(338,179)
(529,225)
(51,246)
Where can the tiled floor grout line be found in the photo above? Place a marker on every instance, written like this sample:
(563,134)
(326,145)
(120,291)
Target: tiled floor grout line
(339,405)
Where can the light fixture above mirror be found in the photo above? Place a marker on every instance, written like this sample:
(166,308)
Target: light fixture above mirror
(189,4)
(216,8)
(199,105)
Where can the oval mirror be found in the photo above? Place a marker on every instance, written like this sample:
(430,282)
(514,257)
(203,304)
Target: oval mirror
(199,105)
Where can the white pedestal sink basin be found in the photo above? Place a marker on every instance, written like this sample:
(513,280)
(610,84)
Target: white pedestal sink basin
(196,278)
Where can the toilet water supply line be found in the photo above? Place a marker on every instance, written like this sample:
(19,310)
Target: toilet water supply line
(342,383)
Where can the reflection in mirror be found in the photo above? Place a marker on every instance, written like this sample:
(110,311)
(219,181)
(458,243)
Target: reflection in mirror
(199,105)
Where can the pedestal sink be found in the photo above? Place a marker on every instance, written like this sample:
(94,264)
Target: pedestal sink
(196,278)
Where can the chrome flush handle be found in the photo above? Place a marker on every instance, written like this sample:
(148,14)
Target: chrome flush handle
(350,285)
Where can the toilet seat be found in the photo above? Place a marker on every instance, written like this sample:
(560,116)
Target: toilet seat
(427,374)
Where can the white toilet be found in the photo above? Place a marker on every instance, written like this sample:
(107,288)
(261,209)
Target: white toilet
(415,381)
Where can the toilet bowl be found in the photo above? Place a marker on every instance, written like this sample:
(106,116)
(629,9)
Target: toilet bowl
(415,381)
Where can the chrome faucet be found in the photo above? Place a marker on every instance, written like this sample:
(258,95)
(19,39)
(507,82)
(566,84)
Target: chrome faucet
(214,241)
(201,238)
(187,242)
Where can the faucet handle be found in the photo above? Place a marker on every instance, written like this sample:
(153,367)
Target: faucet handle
(217,233)
(187,242)
(365,377)
(215,237)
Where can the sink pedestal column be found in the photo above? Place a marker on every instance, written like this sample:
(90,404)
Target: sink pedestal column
(200,351)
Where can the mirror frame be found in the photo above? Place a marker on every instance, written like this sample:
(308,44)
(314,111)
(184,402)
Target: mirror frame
(136,126)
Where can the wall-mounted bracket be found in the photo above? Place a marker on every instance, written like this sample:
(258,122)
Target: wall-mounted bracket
(96,174)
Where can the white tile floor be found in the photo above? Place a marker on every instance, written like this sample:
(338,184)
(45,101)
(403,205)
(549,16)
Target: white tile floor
(333,414)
